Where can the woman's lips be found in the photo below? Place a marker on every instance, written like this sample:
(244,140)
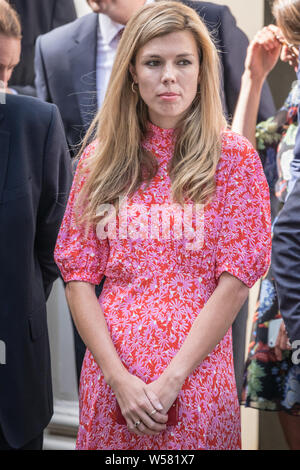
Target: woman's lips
(168,96)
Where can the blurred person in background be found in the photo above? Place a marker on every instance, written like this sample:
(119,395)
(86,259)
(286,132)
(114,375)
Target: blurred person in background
(37,17)
(35,177)
(272,380)
(10,43)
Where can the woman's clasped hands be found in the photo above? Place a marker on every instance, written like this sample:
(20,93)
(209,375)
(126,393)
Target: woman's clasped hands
(144,406)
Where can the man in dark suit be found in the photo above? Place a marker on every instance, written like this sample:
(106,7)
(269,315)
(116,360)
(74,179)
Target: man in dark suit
(286,248)
(66,63)
(286,262)
(37,17)
(35,178)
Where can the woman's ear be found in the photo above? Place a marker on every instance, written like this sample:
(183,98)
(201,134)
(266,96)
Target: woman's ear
(133,73)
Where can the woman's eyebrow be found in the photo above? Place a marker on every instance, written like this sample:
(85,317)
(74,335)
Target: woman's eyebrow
(157,56)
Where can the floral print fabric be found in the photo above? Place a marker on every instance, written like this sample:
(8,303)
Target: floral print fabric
(155,288)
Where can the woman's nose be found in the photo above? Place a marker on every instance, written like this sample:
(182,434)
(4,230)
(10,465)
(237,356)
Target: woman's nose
(168,74)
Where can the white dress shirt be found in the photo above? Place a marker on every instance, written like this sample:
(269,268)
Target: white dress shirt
(107,45)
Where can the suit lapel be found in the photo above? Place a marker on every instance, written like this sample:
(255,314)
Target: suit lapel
(82,56)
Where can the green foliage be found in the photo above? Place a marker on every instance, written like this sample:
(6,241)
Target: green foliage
(255,372)
(266,133)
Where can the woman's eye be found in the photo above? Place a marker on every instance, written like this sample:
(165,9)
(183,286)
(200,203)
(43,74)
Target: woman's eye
(156,63)
(153,63)
(184,62)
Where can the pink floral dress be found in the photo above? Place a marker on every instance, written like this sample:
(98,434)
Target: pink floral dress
(156,287)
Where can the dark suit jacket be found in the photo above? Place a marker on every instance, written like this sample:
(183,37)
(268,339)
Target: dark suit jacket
(65,64)
(286,262)
(35,178)
(286,250)
(37,17)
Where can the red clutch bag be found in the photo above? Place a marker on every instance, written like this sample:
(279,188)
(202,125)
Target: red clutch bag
(173,414)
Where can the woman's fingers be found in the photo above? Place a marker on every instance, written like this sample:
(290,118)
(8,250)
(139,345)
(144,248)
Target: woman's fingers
(142,418)
(139,428)
(141,408)
(154,400)
(158,417)
(150,431)
(274,29)
(134,429)
(155,422)
(267,39)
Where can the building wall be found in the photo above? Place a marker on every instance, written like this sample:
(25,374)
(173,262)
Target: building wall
(249,14)
(82,7)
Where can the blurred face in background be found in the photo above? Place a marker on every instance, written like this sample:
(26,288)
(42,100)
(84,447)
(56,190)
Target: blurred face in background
(10,51)
(119,11)
(290,54)
(287,16)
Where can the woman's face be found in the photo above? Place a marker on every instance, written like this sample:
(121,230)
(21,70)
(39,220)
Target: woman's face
(167,73)
(289,52)
(10,50)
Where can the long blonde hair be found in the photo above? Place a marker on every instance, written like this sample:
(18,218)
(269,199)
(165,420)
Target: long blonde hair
(119,164)
(287,15)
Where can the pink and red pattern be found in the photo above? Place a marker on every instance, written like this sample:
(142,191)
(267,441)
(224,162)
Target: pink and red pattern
(154,289)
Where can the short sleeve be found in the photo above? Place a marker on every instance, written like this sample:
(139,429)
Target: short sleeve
(79,256)
(244,242)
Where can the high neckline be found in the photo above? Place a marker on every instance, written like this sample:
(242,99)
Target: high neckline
(157,131)
(160,142)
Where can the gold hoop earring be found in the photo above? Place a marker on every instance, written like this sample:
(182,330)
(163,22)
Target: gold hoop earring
(132,87)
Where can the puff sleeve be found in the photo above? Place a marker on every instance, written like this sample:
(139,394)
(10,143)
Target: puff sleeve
(79,257)
(244,242)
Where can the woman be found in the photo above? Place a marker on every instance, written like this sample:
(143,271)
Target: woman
(10,43)
(160,333)
(272,381)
